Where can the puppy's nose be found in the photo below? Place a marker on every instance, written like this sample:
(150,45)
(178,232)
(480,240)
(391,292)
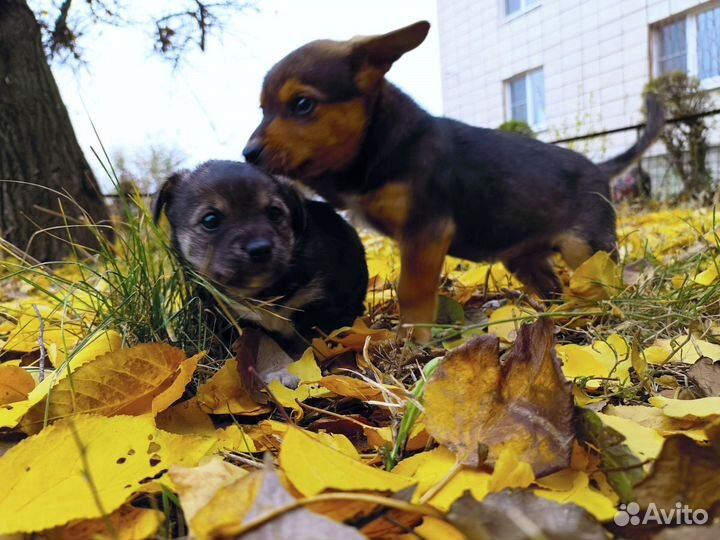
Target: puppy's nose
(252,151)
(259,249)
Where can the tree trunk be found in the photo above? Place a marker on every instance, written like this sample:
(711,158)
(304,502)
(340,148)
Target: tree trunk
(38,146)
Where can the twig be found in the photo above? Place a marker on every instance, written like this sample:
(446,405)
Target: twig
(41,341)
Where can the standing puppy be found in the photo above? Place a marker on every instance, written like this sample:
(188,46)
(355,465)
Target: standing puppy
(437,186)
(258,238)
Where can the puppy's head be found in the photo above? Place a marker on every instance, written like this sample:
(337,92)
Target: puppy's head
(317,102)
(233,223)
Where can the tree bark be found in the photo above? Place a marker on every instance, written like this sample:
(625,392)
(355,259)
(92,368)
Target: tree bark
(38,147)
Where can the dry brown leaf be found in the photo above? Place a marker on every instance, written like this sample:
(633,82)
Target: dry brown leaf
(684,472)
(526,404)
(521,515)
(706,375)
(345,386)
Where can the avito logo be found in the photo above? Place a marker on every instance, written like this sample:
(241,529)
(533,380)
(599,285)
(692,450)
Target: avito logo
(682,514)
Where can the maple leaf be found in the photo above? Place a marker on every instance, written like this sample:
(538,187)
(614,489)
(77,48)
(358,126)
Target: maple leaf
(525,403)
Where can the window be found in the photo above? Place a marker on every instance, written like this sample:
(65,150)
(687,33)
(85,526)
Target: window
(708,43)
(691,44)
(516,7)
(526,98)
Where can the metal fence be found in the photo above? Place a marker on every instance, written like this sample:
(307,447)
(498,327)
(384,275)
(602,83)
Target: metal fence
(664,180)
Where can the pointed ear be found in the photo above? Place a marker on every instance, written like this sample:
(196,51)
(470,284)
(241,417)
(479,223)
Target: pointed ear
(295,201)
(381,51)
(164,196)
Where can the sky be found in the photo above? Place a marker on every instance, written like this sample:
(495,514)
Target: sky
(208,106)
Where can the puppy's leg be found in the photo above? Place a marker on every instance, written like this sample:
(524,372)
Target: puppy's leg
(535,270)
(422,254)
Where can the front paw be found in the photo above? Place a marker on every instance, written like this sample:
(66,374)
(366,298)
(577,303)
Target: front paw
(283,376)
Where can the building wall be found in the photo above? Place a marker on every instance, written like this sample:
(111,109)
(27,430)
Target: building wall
(596,57)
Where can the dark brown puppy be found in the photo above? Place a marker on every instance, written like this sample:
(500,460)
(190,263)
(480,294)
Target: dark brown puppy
(435,185)
(257,237)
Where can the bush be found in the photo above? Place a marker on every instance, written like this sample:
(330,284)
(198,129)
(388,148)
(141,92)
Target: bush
(686,140)
(518,127)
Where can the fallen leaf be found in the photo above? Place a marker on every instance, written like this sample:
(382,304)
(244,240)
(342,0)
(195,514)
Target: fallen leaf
(15,384)
(684,472)
(98,344)
(196,486)
(312,467)
(186,418)
(134,381)
(624,468)
(706,375)
(652,417)
(224,393)
(352,387)
(121,454)
(571,486)
(642,441)
(127,523)
(597,362)
(688,409)
(521,515)
(597,278)
(501,321)
(308,373)
(525,404)
(235,505)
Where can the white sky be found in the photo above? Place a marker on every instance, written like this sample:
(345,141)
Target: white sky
(208,106)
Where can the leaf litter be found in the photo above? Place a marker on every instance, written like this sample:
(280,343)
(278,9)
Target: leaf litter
(520,420)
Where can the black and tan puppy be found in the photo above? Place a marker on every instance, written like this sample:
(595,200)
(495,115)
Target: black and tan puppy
(437,186)
(258,238)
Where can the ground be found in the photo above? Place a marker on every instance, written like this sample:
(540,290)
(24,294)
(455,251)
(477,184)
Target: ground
(591,415)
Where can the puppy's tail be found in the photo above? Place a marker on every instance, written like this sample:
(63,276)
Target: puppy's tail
(655,122)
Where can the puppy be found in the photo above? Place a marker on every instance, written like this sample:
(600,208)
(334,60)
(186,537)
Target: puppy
(257,238)
(436,185)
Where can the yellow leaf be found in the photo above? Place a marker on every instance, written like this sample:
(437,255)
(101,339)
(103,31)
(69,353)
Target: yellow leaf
(122,382)
(427,468)
(597,278)
(437,529)
(224,394)
(128,523)
(644,442)
(307,370)
(175,391)
(510,472)
(186,418)
(196,486)
(708,276)
(234,438)
(569,486)
(682,350)
(600,361)
(652,417)
(345,386)
(706,408)
(502,325)
(49,487)
(15,384)
(101,343)
(313,467)
(466,479)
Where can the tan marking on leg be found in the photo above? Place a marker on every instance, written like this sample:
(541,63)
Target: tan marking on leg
(574,249)
(387,208)
(422,259)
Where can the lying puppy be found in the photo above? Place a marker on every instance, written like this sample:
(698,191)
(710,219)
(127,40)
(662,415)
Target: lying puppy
(437,186)
(258,238)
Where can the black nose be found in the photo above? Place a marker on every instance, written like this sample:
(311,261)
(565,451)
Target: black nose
(252,152)
(259,249)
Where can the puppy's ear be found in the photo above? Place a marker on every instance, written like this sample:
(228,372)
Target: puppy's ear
(295,201)
(381,51)
(164,196)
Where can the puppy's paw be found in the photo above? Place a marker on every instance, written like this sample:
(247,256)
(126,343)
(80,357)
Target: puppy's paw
(283,376)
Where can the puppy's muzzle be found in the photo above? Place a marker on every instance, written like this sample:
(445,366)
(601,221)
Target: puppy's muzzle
(253,151)
(259,249)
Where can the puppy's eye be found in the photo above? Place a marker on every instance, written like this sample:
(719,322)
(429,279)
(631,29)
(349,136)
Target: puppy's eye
(211,220)
(302,105)
(275,214)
